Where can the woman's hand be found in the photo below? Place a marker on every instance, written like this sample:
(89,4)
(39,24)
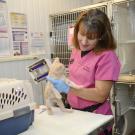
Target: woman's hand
(73,85)
(60,85)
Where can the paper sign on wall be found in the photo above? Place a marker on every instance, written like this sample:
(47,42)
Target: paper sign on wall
(19,34)
(4,36)
(37,42)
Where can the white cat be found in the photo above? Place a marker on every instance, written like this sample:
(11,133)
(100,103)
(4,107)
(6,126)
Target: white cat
(57,71)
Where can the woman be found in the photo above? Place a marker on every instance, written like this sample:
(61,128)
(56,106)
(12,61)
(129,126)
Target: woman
(93,64)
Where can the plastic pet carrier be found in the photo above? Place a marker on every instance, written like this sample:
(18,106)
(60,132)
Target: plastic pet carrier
(16,106)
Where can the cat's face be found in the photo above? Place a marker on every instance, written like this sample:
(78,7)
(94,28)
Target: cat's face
(57,69)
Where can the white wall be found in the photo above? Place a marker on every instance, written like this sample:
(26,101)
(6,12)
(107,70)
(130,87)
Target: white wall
(38,11)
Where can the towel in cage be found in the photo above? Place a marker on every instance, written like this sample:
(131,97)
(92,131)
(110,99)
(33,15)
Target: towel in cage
(16,106)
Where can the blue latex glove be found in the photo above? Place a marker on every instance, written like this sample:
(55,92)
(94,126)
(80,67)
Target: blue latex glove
(60,85)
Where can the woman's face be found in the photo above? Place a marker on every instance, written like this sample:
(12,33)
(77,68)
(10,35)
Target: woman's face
(86,41)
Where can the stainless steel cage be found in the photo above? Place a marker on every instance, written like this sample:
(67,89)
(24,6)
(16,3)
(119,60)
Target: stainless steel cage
(59,29)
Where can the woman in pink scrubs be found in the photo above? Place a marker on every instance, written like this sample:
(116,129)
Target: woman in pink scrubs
(93,63)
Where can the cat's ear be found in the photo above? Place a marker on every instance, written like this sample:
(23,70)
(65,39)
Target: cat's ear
(56,60)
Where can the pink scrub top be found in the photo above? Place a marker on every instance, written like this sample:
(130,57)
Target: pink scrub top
(89,68)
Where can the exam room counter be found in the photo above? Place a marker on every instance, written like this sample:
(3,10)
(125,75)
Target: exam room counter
(62,123)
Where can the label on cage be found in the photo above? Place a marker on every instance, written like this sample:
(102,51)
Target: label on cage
(70,35)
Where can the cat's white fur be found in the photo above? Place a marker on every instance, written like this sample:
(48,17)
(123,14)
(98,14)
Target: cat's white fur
(57,71)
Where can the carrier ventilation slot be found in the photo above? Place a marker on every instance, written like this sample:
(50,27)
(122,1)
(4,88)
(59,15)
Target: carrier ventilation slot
(10,99)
